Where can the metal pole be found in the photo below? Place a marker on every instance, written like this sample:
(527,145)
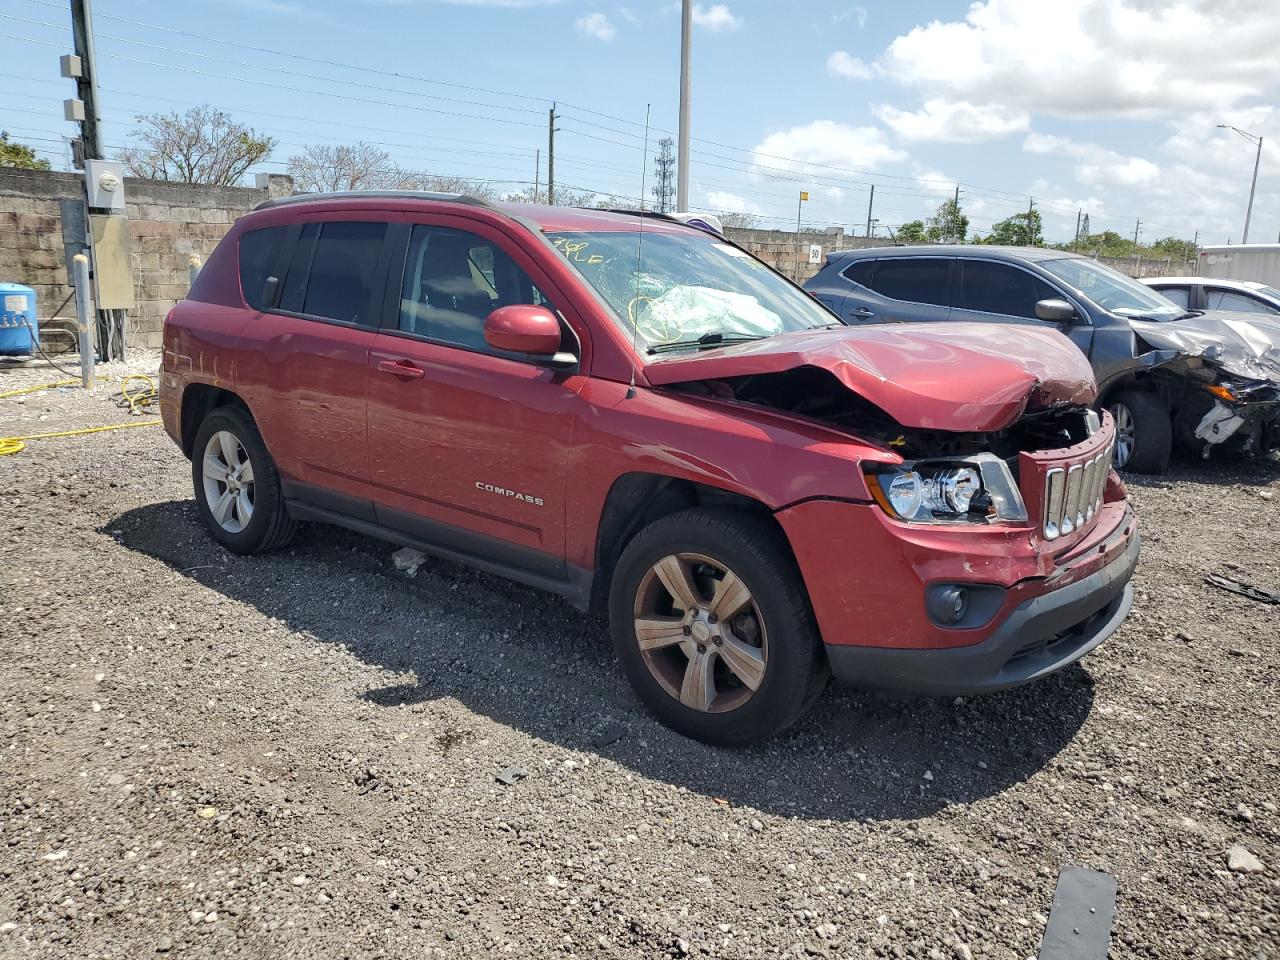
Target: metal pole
(537,173)
(799,206)
(1076,242)
(551,157)
(84,311)
(870,200)
(1252,187)
(87,82)
(682,164)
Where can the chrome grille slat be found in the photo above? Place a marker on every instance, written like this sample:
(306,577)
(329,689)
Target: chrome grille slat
(1073,494)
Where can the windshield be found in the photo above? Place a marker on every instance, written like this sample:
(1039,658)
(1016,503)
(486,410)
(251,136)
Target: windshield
(685,288)
(1112,290)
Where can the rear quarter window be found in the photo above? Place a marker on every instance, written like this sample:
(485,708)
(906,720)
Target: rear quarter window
(258,249)
(860,272)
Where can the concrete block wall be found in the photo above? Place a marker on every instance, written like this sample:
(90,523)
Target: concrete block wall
(168,222)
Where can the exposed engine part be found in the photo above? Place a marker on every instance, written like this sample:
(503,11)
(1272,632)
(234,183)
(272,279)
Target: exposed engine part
(1218,425)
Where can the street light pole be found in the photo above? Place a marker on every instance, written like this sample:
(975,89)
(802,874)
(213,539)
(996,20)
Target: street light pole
(682,164)
(1253,186)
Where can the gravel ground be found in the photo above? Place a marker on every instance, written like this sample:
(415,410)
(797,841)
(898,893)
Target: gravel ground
(296,755)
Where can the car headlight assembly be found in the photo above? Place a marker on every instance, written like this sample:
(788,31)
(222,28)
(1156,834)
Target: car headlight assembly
(974,489)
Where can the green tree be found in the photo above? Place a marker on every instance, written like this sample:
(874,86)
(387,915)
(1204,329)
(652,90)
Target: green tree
(19,154)
(203,145)
(911,232)
(1019,230)
(1175,247)
(949,224)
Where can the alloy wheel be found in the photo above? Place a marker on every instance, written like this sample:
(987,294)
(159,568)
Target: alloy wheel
(228,481)
(1125,434)
(700,632)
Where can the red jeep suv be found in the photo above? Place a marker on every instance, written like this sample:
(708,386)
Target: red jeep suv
(640,416)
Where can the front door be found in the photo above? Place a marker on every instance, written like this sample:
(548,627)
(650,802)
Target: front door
(994,292)
(469,446)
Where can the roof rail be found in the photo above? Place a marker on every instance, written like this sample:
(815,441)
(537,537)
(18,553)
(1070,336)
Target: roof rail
(374,195)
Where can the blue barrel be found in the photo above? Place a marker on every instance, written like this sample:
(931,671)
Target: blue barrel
(19,329)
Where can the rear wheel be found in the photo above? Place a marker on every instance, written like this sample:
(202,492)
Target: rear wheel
(236,485)
(1144,432)
(712,625)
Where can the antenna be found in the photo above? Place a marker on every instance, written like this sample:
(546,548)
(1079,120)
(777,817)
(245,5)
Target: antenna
(635,323)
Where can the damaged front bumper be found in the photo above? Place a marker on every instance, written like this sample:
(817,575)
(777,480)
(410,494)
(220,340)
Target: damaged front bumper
(1042,635)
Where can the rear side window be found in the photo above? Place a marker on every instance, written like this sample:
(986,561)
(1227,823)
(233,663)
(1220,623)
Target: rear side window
(860,272)
(915,279)
(258,249)
(999,288)
(1179,295)
(333,271)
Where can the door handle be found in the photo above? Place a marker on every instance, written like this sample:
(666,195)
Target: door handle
(862,313)
(401,368)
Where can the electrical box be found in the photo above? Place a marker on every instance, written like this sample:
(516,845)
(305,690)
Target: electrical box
(112,274)
(104,183)
(71,66)
(73,111)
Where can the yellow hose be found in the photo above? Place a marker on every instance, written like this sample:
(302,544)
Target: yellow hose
(10,445)
(139,399)
(39,386)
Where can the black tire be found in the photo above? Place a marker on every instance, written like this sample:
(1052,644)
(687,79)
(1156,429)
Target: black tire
(1152,431)
(270,527)
(796,669)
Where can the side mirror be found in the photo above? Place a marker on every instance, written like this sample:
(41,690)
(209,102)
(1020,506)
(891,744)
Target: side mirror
(1055,311)
(523,328)
(270,291)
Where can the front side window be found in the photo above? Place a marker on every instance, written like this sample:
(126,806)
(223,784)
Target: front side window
(1112,290)
(914,279)
(258,249)
(686,290)
(453,280)
(1219,299)
(1000,288)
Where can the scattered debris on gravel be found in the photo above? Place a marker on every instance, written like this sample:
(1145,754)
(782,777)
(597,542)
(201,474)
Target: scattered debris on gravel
(312,755)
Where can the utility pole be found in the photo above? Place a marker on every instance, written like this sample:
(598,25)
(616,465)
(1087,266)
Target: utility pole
(1136,228)
(1031,233)
(87,80)
(1253,186)
(804,195)
(551,155)
(682,173)
(664,163)
(537,173)
(870,200)
(954,217)
(1075,242)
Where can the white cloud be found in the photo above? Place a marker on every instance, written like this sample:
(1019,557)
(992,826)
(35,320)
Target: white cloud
(596,25)
(1094,58)
(824,143)
(716,17)
(721,201)
(946,121)
(1097,166)
(848,67)
(855,13)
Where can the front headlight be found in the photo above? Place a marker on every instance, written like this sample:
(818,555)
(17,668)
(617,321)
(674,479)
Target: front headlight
(973,489)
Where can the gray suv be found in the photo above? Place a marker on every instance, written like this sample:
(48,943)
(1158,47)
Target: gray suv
(1168,375)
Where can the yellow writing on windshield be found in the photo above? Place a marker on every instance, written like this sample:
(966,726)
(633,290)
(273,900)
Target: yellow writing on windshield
(575,251)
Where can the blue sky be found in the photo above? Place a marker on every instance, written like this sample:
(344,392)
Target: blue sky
(1109,106)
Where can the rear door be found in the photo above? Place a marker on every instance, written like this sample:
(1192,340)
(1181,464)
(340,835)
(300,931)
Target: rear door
(899,289)
(469,447)
(307,359)
(992,291)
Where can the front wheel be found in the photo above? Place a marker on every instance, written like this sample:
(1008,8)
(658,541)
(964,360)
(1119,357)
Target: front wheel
(236,484)
(1144,432)
(712,626)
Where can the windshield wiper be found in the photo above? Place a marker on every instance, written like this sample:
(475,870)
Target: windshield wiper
(713,339)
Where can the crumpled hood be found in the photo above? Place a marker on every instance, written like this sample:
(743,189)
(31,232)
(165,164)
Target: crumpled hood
(1244,344)
(943,376)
